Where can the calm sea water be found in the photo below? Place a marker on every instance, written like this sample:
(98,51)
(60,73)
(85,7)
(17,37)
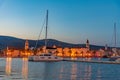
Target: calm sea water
(22,69)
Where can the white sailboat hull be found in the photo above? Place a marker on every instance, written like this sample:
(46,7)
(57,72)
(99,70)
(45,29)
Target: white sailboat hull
(45,58)
(115,58)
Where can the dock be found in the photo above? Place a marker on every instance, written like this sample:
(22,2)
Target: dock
(92,61)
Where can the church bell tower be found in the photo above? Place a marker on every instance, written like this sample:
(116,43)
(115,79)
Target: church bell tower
(26,45)
(87,44)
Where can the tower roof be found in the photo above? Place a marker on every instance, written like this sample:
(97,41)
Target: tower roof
(87,41)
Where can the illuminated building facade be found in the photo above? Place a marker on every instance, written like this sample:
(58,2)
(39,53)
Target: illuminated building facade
(58,51)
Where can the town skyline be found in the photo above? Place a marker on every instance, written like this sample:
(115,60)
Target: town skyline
(72,21)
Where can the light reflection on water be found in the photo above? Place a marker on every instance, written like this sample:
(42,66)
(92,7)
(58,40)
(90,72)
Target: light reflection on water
(22,69)
(74,72)
(15,71)
(25,68)
(8,66)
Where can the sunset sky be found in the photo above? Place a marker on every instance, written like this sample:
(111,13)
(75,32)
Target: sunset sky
(71,21)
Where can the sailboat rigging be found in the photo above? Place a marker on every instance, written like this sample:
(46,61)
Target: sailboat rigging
(46,57)
(115,56)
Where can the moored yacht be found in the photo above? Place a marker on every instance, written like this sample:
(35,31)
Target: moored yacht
(115,58)
(116,54)
(45,57)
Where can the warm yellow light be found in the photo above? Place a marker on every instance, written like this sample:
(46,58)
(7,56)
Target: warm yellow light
(25,68)
(8,65)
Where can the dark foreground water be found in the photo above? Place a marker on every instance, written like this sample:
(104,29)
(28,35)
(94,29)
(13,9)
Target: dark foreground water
(21,69)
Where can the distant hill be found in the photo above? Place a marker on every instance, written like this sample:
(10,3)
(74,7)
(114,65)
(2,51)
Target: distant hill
(19,43)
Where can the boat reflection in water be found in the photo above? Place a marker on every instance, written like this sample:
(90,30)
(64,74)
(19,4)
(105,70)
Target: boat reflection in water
(46,71)
(21,69)
(25,68)
(8,66)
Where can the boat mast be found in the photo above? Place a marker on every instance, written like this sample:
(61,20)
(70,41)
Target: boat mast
(115,34)
(46,31)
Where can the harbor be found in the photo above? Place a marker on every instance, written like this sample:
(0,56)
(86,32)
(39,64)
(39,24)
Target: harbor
(59,40)
(21,69)
(99,61)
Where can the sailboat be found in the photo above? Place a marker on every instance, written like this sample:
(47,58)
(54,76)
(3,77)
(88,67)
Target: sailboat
(45,57)
(115,56)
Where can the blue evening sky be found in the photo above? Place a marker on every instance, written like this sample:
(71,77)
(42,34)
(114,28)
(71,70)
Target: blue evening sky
(71,21)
